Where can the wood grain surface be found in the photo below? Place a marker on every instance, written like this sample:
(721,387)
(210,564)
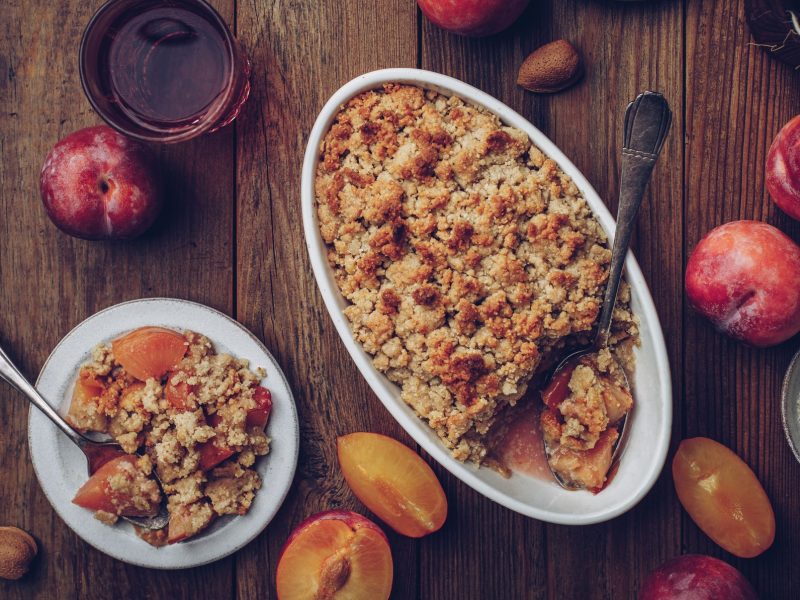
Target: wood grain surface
(232,238)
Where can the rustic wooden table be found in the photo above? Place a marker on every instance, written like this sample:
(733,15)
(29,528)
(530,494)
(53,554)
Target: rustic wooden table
(232,238)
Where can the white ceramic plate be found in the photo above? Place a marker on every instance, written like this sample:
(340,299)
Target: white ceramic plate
(61,467)
(651,420)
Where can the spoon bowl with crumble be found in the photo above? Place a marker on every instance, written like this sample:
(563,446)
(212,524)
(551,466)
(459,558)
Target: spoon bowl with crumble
(588,398)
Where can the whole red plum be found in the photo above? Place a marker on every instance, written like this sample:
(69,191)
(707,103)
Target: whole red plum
(473,17)
(745,277)
(696,577)
(97,184)
(783,169)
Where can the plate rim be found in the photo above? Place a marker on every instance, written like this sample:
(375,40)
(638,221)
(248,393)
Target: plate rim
(132,560)
(452,86)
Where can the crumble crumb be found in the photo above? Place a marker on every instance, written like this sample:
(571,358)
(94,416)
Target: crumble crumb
(106,517)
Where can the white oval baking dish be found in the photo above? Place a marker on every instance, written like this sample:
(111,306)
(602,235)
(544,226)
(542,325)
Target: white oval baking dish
(651,420)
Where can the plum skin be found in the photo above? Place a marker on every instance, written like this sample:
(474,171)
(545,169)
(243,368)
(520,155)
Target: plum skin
(473,17)
(696,577)
(783,169)
(745,277)
(96,184)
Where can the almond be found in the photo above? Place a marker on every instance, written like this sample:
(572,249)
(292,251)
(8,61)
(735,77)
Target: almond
(17,550)
(551,68)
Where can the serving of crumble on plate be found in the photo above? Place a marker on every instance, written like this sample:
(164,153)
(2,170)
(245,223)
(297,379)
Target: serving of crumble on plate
(192,416)
(212,487)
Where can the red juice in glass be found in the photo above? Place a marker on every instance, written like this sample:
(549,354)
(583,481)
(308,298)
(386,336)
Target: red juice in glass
(163,70)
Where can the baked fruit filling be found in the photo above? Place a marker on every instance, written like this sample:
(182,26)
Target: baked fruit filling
(181,412)
(122,486)
(584,405)
(469,259)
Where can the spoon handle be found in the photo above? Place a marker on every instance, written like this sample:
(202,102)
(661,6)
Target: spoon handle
(647,123)
(12,375)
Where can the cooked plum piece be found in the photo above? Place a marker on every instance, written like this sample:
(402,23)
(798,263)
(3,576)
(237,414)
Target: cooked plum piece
(121,487)
(149,351)
(177,409)
(586,468)
(584,403)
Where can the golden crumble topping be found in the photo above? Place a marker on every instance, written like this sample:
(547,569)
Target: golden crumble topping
(466,254)
(199,427)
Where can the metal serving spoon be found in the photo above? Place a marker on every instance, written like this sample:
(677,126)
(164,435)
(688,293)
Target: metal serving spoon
(97,453)
(647,123)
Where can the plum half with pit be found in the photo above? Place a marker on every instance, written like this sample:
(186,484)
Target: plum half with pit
(96,184)
(335,554)
(745,277)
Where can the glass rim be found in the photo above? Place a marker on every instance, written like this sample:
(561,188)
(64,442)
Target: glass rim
(214,117)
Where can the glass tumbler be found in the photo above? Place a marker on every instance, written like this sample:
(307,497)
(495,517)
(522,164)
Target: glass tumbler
(163,70)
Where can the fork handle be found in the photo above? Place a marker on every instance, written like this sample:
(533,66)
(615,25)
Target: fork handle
(647,123)
(10,372)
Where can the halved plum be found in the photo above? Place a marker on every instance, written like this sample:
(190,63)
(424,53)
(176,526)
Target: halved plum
(586,468)
(723,496)
(149,351)
(120,488)
(336,555)
(394,483)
